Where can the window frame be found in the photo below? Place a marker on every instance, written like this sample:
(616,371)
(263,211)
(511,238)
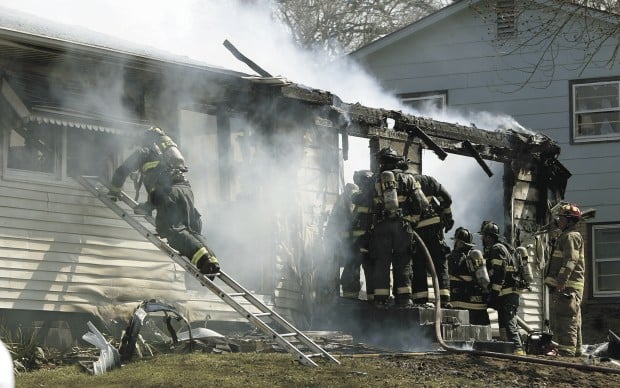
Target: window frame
(60,174)
(595,293)
(420,96)
(581,139)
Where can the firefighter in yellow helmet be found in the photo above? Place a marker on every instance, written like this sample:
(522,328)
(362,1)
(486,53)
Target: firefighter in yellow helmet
(565,278)
(162,169)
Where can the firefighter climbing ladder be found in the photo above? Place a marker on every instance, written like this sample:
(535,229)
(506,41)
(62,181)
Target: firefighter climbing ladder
(284,339)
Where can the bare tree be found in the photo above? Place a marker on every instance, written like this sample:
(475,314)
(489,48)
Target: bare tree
(549,27)
(341,26)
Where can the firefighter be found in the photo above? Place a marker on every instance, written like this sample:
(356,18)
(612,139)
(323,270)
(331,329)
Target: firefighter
(503,294)
(468,278)
(435,219)
(361,228)
(337,236)
(392,236)
(162,171)
(565,278)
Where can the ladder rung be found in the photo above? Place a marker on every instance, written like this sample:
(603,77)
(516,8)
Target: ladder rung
(288,335)
(314,355)
(233,294)
(262,314)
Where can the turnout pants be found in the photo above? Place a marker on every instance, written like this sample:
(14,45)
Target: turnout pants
(391,246)
(565,322)
(507,319)
(350,278)
(178,220)
(432,236)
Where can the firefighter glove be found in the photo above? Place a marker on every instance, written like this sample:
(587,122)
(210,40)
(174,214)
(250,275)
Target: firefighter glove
(448,222)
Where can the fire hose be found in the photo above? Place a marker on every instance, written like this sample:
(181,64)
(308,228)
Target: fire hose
(474,352)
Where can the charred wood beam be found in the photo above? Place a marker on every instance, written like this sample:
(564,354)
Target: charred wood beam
(470,148)
(501,146)
(262,72)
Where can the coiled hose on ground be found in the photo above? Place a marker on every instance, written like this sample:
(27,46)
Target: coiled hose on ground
(444,345)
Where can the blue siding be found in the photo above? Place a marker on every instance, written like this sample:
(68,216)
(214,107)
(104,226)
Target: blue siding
(459,55)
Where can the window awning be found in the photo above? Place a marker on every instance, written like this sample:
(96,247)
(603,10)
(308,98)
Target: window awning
(83,121)
(63,117)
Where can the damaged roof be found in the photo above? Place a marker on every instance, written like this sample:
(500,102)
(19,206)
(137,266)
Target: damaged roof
(41,43)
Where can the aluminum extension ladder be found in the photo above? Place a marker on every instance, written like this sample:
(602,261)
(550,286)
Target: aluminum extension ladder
(95,186)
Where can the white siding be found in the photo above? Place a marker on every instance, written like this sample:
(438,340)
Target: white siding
(62,250)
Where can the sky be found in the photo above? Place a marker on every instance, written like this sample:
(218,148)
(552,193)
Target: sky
(197,28)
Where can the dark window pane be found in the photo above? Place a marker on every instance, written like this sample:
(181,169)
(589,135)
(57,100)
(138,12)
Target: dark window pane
(34,148)
(609,283)
(424,104)
(607,258)
(601,123)
(596,97)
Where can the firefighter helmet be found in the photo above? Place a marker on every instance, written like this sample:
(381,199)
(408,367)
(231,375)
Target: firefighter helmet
(361,177)
(148,136)
(489,228)
(569,210)
(463,235)
(152,134)
(388,155)
(155,131)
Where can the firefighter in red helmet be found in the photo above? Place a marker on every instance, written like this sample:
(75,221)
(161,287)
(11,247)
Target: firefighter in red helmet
(565,277)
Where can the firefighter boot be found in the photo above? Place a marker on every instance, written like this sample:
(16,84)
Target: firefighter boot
(208,265)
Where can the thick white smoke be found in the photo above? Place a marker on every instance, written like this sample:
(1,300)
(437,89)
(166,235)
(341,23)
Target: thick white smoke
(197,28)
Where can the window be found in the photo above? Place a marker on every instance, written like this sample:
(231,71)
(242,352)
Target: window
(33,148)
(44,151)
(606,260)
(92,152)
(426,102)
(596,111)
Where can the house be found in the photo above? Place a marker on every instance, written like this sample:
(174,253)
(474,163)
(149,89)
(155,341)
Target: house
(265,166)
(553,67)
(72,103)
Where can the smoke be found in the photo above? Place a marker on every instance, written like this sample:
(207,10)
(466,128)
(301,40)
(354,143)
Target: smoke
(196,29)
